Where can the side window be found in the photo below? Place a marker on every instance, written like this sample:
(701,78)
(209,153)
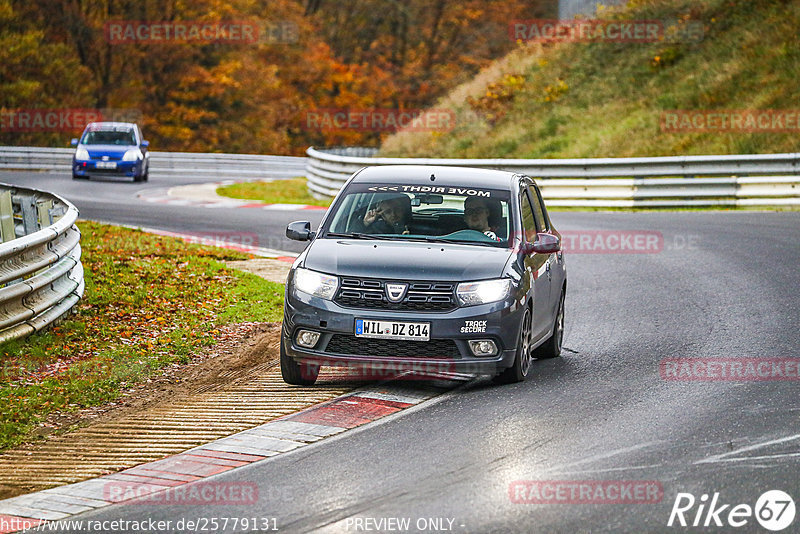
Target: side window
(538,210)
(528,220)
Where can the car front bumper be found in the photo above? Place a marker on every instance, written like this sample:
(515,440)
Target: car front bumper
(123,168)
(447,351)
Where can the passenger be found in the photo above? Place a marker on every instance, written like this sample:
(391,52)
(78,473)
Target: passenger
(390,216)
(482,215)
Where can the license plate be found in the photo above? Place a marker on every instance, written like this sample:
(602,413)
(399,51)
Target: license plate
(106,164)
(393,330)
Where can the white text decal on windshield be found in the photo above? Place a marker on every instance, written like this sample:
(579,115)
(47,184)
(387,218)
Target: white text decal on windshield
(448,190)
(384,188)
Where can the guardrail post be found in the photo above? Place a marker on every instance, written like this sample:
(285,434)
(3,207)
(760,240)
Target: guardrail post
(30,215)
(56,213)
(6,217)
(43,208)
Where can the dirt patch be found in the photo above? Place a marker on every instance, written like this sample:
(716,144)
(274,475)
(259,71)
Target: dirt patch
(240,348)
(234,386)
(229,387)
(243,349)
(272,270)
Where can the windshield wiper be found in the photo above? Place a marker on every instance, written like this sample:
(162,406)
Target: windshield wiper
(354,235)
(431,239)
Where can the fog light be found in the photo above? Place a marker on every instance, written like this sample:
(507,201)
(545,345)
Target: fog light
(307,338)
(483,347)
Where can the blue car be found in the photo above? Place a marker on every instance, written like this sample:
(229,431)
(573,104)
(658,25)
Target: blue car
(111,149)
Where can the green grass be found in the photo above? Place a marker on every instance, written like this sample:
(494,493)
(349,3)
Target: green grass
(291,191)
(606,99)
(150,301)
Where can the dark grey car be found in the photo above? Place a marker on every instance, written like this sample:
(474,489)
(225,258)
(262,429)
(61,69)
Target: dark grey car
(426,269)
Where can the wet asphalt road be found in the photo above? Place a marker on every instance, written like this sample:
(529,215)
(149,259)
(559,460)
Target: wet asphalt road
(724,285)
(118,201)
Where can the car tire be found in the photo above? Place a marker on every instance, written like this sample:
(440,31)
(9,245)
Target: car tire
(522,360)
(76,177)
(297,374)
(552,347)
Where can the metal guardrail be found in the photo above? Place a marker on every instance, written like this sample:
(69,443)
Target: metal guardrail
(41,276)
(741,180)
(164,164)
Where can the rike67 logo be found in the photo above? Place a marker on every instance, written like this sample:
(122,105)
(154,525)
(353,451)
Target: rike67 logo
(774,510)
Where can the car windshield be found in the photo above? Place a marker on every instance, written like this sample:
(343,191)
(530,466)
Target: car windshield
(449,213)
(109,137)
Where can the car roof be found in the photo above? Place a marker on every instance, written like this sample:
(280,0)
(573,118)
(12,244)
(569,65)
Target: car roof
(109,125)
(421,175)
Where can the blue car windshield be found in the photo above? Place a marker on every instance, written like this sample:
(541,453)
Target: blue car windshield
(109,137)
(416,213)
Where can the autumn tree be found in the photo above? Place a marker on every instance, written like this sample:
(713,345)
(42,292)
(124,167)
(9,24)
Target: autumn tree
(250,97)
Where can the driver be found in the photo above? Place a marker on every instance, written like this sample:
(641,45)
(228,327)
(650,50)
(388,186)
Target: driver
(390,216)
(480,215)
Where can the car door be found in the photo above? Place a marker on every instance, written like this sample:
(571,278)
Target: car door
(555,262)
(536,268)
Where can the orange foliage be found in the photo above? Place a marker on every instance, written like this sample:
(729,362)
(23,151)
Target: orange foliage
(246,97)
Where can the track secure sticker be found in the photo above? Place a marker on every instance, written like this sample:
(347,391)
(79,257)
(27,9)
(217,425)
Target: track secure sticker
(473,327)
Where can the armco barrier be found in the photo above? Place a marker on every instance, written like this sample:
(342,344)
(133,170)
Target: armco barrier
(741,180)
(164,164)
(41,276)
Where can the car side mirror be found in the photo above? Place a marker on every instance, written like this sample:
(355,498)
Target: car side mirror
(546,243)
(145,144)
(526,248)
(300,231)
(74,141)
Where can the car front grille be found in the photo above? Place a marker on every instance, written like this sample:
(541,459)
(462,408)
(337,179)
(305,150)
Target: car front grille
(370,293)
(389,348)
(118,170)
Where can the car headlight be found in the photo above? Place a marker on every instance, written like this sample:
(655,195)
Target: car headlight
(483,292)
(316,284)
(81,153)
(132,155)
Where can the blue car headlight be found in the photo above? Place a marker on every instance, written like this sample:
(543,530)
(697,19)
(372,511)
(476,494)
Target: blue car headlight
(313,283)
(81,154)
(133,154)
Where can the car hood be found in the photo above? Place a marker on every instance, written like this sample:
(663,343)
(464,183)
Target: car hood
(406,260)
(112,151)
